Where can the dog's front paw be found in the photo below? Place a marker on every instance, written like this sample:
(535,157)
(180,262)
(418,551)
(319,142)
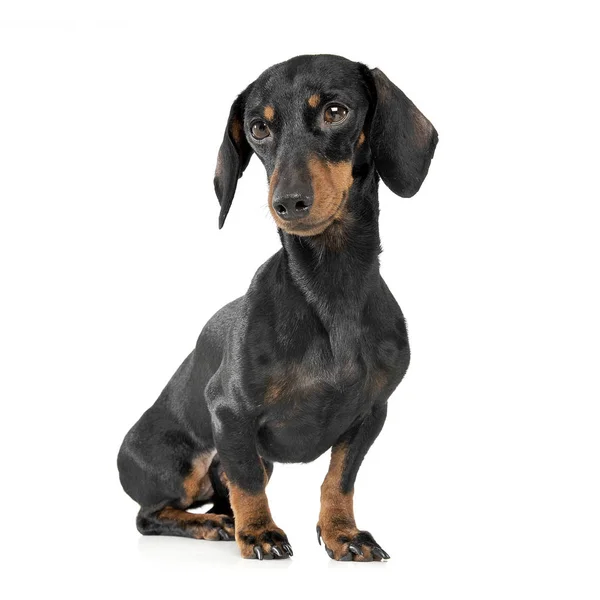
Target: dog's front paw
(263,542)
(349,543)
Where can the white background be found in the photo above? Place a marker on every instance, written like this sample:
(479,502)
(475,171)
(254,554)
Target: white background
(485,480)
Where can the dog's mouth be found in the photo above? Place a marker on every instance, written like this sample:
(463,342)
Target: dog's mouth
(309,225)
(331,183)
(305,227)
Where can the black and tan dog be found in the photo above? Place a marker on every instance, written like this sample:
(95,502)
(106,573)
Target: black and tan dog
(308,358)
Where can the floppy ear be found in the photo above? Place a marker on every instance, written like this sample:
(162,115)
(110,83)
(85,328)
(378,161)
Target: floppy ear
(402,140)
(233,158)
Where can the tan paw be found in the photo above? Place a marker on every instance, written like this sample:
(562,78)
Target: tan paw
(350,544)
(215,527)
(267,541)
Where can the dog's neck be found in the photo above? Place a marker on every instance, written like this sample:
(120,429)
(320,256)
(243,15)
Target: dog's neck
(336,270)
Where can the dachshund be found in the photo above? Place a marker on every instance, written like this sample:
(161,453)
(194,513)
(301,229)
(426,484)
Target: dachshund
(307,359)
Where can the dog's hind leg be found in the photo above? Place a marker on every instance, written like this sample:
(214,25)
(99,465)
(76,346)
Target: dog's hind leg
(172,518)
(175,521)
(168,476)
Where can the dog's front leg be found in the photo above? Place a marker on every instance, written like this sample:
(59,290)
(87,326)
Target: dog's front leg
(246,478)
(342,538)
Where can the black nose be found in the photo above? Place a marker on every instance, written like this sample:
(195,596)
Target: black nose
(292,206)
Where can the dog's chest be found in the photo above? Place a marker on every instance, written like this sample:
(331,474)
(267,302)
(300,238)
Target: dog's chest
(308,405)
(323,384)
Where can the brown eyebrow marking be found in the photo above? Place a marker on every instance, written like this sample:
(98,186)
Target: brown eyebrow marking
(361,139)
(269,113)
(314,100)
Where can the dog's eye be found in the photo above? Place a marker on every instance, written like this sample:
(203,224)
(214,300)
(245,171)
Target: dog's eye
(260,130)
(335,113)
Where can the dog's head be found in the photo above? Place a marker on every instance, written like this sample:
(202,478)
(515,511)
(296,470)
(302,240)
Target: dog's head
(311,120)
